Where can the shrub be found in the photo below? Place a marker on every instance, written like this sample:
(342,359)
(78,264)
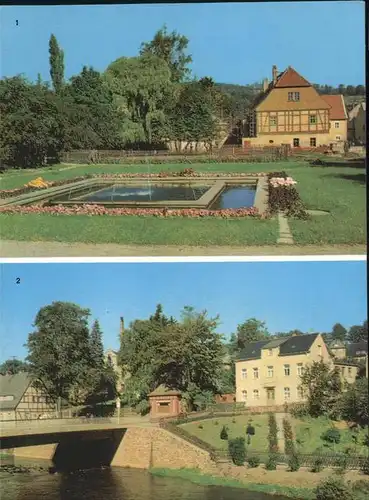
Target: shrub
(201,426)
(289,446)
(224,433)
(253,462)
(360,489)
(294,462)
(250,430)
(317,465)
(341,464)
(237,450)
(333,489)
(331,436)
(216,422)
(271,463)
(365,467)
(272,436)
(299,410)
(233,420)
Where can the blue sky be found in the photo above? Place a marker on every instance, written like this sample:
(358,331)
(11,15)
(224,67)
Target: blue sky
(287,295)
(232,42)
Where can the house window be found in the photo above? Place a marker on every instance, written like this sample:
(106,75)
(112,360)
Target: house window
(300,393)
(312,119)
(287,393)
(256,394)
(244,395)
(336,124)
(270,352)
(256,372)
(6,398)
(320,350)
(342,370)
(273,121)
(293,96)
(34,399)
(338,137)
(349,371)
(270,371)
(287,370)
(244,373)
(300,369)
(296,143)
(313,142)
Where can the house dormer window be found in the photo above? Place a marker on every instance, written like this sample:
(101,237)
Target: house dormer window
(294,96)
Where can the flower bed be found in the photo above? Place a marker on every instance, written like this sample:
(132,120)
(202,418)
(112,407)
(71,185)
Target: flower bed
(284,197)
(9,193)
(142,212)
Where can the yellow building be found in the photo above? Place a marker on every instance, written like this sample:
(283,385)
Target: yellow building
(290,111)
(268,371)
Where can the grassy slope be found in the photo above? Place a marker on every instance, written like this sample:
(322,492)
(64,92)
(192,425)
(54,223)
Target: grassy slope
(337,189)
(206,480)
(211,432)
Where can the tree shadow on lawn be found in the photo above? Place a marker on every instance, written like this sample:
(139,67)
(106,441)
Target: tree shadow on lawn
(360,178)
(352,163)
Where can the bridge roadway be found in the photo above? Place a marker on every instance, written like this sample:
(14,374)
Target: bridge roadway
(14,434)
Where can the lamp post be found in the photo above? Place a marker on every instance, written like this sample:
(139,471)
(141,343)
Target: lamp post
(117,405)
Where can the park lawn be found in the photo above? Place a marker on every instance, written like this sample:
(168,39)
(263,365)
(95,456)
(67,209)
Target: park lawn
(339,190)
(309,430)
(210,433)
(133,230)
(17,178)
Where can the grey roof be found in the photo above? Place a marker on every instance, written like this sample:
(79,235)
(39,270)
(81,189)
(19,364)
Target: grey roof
(13,385)
(252,350)
(357,349)
(298,344)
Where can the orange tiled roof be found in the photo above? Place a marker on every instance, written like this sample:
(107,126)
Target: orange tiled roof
(337,104)
(290,78)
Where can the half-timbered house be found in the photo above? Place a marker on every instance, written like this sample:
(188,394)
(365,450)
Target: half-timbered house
(21,400)
(290,111)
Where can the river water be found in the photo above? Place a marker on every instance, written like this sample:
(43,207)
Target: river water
(111,484)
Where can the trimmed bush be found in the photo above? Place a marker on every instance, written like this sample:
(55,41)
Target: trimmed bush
(271,463)
(317,465)
(253,462)
(341,464)
(333,489)
(294,462)
(272,436)
(237,450)
(201,426)
(331,436)
(224,433)
(289,446)
(250,431)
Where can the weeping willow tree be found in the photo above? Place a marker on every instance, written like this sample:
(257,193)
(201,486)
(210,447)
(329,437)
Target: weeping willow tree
(143,93)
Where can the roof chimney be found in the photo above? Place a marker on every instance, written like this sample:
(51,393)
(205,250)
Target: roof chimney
(274,74)
(265,84)
(121,328)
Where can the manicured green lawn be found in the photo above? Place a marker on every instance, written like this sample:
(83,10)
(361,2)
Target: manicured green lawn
(210,433)
(338,189)
(308,432)
(131,230)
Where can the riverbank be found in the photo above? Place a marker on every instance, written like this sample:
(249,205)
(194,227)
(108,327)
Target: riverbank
(198,478)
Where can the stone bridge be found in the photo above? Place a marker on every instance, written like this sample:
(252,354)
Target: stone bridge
(81,443)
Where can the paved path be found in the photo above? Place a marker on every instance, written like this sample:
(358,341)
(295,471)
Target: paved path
(24,249)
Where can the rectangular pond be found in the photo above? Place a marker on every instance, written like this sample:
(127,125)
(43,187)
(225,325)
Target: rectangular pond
(213,197)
